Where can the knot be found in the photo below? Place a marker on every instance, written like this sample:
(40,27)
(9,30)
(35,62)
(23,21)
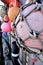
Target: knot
(34,34)
(22,17)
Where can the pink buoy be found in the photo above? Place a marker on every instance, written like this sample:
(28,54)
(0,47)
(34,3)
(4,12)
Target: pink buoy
(33,21)
(6,27)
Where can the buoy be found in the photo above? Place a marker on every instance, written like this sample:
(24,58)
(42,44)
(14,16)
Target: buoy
(6,1)
(6,18)
(12,12)
(6,27)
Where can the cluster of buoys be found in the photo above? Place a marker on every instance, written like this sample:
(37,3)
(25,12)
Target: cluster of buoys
(12,11)
(6,27)
(23,28)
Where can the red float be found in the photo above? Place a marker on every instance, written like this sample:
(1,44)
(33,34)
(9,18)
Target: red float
(16,3)
(6,18)
(6,1)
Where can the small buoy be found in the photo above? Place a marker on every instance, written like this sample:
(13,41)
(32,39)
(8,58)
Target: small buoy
(6,27)
(6,18)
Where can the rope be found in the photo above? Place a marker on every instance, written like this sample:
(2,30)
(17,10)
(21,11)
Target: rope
(39,59)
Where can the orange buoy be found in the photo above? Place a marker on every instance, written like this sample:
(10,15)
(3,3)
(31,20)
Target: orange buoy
(12,12)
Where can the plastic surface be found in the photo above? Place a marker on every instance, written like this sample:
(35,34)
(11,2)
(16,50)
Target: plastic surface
(35,20)
(6,27)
